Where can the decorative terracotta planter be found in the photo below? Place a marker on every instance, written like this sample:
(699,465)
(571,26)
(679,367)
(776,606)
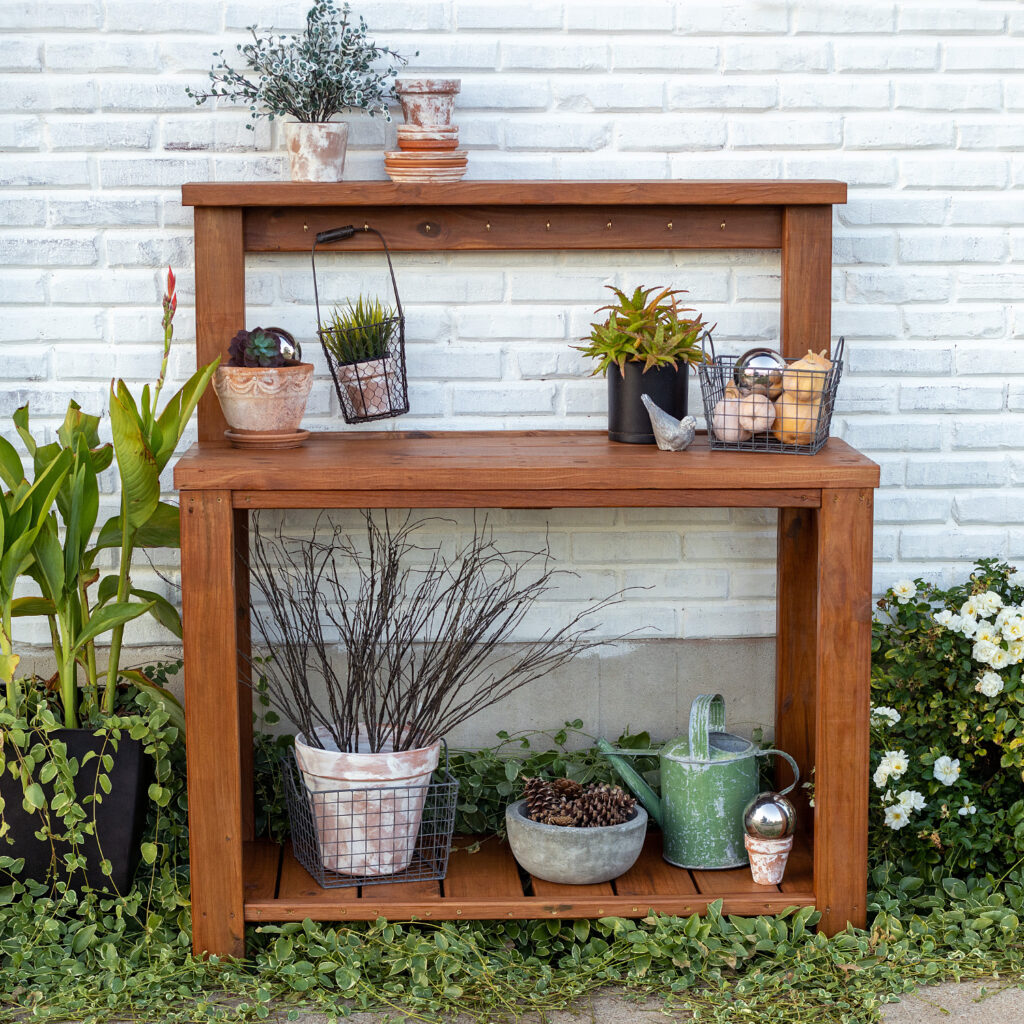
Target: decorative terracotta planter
(367,807)
(768,858)
(427,102)
(316,152)
(264,399)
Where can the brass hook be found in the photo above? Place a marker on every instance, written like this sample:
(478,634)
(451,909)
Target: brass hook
(487,226)
(547,225)
(608,226)
(722,225)
(305,226)
(669,225)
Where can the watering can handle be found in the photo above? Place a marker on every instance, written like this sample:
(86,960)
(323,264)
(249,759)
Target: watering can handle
(707,715)
(792,764)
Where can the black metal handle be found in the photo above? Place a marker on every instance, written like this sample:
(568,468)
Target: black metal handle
(335,234)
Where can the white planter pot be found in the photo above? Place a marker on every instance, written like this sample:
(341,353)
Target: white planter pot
(264,399)
(366,385)
(316,152)
(367,819)
(768,858)
(427,102)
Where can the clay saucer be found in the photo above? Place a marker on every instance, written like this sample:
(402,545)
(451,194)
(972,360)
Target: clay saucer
(431,145)
(440,131)
(425,158)
(426,174)
(266,440)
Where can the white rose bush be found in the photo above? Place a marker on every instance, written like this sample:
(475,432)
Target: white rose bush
(946,724)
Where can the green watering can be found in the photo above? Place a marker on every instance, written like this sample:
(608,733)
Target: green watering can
(707,778)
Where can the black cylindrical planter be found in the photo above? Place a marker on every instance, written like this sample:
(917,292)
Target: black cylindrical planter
(120,818)
(627,418)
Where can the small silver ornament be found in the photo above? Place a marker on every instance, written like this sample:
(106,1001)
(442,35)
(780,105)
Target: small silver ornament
(760,371)
(290,348)
(769,816)
(671,434)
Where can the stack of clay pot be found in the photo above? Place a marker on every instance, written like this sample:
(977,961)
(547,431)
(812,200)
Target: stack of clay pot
(428,143)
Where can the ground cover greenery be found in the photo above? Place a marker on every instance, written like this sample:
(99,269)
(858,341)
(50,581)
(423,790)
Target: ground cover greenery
(947,888)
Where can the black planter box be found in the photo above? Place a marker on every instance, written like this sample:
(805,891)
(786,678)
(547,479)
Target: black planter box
(628,420)
(119,819)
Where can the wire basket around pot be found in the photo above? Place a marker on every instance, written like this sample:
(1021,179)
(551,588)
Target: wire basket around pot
(338,834)
(800,428)
(375,387)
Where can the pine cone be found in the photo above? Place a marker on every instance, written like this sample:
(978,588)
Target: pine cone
(568,788)
(566,803)
(604,805)
(541,800)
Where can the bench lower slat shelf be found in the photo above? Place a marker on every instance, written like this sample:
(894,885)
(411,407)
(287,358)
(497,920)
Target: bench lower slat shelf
(488,885)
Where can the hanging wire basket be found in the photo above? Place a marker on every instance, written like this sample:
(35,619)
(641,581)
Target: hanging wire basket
(802,429)
(367,362)
(342,836)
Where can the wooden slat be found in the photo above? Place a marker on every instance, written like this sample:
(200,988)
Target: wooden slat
(553,892)
(211,722)
(729,880)
(799,869)
(491,870)
(477,228)
(297,884)
(843,674)
(261,862)
(806,279)
(652,875)
(513,193)
(244,646)
(531,463)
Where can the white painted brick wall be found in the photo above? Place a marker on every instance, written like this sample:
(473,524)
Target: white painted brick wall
(918,105)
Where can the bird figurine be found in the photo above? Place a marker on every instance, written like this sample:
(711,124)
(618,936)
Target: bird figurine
(671,434)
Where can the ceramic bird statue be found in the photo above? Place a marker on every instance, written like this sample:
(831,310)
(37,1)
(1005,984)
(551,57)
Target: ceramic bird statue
(671,434)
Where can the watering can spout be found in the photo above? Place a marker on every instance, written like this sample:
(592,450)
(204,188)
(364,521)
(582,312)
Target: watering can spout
(634,780)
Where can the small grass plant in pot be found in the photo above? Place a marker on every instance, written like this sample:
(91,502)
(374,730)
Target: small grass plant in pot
(330,69)
(263,389)
(359,337)
(644,347)
(78,740)
(426,644)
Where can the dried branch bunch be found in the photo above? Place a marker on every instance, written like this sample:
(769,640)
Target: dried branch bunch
(422,632)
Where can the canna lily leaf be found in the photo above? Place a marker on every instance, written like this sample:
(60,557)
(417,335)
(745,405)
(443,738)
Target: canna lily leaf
(140,476)
(11,470)
(32,606)
(106,618)
(161,530)
(163,611)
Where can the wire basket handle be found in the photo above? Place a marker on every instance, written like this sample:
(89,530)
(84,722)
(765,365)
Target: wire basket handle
(705,340)
(340,235)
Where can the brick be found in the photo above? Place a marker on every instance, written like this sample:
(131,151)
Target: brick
(857,19)
(961,19)
(167,172)
(446,363)
(526,322)
(897,507)
(888,55)
(945,247)
(983,56)
(733,17)
(22,210)
(943,398)
(988,432)
(204,132)
(20,54)
(52,400)
(855,396)
(673,134)
(48,250)
(718,547)
(782,55)
(588,398)
(35,15)
(722,96)
(86,288)
(973,172)
(20,133)
(504,93)
(1015,398)
(897,132)
(543,285)
(781,133)
(145,249)
(606,16)
(501,17)
(937,94)
(144,16)
(496,401)
(51,171)
(973,323)
(928,544)
(21,287)
(906,208)
(623,92)
(539,364)
(139,94)
(22,93)
(752,583)
(989,507)
(102,54)
(1004,358)
(25,363)
(833,93)
(859,169)
(911,360)
(858,323)
(619,546)
(916,435)
(949,472)
(559,55)
(103,210)
(729,618)
(883,286)
(996,134)
(100,133)
(674,56)
(993,211)
(557,135)
(989,284)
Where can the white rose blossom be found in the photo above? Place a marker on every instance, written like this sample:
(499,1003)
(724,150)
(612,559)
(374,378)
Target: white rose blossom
(967,808)
(947,770)
(948,619)
(984,651)
(970,608)
(896,816)
(999,658)
(911,800)
(893,764)
(903,591)
(989,602)
(884,716)
(967,625)
(990,685)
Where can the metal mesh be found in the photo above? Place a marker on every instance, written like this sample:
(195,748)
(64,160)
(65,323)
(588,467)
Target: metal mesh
(372,835)
(806,432)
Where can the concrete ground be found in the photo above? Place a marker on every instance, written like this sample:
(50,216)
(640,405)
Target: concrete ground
(996,1001)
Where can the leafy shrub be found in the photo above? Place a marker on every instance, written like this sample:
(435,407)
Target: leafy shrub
(947,736)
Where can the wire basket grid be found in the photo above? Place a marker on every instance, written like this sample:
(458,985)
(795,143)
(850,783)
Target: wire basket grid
(373,835)
(734,426)
(371,384)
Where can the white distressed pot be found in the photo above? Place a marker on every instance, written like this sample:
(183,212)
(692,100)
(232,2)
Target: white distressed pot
(316,152)
(367,819)
(366,385)
(427,102)
(267,399)
(768,858)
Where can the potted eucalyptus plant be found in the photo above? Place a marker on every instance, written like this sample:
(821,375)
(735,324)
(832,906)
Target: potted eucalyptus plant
(311,78)
(50,727)
(425,639)
(644,347)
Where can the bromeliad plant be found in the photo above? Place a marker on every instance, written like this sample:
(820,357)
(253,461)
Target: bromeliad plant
(948,724)
(361,331)
(327,70)
(643,329)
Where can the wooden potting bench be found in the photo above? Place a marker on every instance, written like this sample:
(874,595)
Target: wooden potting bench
(824,538)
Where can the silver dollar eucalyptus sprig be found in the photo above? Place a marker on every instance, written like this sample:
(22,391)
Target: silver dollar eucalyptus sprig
(325,71)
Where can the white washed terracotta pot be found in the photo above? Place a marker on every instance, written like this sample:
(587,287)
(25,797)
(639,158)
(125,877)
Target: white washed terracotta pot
(366,384)
(266,399)
(316,152)
(367,819)
(427,102)
(768,858)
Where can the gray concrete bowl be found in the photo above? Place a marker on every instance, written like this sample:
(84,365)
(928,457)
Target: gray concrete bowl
(574,856)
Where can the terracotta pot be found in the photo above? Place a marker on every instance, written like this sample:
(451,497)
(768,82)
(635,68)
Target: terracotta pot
(266,399)
(427,101)
(366,385)
(768,858)
(316,152)
(367,807)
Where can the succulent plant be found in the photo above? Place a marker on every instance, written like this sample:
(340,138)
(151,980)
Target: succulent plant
(641,329)
(263,346)
(360,332)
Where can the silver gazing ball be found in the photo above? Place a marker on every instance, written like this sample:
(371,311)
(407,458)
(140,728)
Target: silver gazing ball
(290,348)
(760,370)
(769,816)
